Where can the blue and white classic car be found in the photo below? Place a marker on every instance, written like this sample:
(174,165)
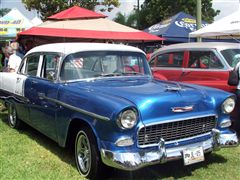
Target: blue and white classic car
(102,99)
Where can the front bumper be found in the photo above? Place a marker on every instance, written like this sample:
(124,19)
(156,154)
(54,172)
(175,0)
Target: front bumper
(135,160)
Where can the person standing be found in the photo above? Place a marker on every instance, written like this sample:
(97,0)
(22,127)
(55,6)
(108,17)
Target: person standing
(14,60)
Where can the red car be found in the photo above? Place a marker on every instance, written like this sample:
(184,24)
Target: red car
(205,63)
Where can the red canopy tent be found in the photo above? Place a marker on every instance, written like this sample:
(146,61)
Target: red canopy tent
(79,24)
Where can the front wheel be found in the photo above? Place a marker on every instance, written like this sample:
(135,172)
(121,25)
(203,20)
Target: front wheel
(86,154)
(13,120)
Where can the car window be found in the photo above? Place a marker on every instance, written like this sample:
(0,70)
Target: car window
(173,59)
(31,66)
(232,56)
(94,64)
(50,66)
(204,60)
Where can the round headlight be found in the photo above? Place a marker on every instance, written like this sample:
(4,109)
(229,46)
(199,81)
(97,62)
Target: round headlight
(228,105)
(127,119)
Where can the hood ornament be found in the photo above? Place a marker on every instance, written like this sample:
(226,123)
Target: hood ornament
(174,88)
(182,109)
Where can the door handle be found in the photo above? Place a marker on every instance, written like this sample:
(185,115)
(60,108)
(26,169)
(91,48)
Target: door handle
(34,82)
(41,96)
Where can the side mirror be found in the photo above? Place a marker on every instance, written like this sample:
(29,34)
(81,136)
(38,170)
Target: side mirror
(233,79)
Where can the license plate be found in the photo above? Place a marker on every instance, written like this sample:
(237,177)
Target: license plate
(193,155)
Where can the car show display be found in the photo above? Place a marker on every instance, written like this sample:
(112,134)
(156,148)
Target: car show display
(102,99)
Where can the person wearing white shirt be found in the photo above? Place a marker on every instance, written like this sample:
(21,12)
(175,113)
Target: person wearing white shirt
(14,60)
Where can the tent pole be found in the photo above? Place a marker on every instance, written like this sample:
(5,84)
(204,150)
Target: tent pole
(199,17)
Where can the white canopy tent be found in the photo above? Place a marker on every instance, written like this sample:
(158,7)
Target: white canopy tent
(13,23)
(226,27)
(36,21)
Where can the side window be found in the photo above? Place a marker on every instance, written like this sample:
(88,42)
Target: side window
(173,59)
(31,65)
(50,66)
(204,60)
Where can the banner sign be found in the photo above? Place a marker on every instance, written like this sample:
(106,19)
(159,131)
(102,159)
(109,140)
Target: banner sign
(188,23)
(11,22)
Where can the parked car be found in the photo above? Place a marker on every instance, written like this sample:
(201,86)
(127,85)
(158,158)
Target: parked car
(213,64)
(103,99)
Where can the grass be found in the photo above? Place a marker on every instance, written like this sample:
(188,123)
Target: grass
(27,154)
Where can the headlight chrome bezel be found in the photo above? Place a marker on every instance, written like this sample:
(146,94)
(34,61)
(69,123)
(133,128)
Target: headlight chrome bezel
(228,105)
(124,123)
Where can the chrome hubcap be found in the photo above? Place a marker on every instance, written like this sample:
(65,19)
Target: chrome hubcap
(83,153)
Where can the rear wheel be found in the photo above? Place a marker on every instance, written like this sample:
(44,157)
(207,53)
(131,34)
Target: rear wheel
(87,157)
(13,120)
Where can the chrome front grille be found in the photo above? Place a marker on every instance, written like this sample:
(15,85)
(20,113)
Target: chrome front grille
(177,130)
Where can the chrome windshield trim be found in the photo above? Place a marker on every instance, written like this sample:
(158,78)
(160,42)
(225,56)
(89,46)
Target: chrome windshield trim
(76,109)
(99,78)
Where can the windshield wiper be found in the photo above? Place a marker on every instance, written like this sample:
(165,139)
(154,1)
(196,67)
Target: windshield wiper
(108,74)
(131,72)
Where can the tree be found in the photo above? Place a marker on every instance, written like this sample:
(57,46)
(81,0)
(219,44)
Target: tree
(49,7)
(4,11)
(154,11)
(130,20)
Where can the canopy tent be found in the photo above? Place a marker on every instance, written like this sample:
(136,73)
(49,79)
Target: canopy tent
(12,23)
(226,27)
(36,21)
(79,24)
(175,28)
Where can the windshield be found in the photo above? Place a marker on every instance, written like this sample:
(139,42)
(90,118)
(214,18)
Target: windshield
(232,56)
(94,64)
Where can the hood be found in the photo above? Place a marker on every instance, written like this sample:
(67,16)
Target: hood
(154,99)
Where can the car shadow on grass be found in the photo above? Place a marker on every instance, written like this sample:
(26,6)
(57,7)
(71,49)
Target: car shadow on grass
(64,154)
(173,170)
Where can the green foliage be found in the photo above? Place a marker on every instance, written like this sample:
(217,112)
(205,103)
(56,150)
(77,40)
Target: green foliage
(28,155)
(130,20)
(4,11)
(49,7)
(154,11)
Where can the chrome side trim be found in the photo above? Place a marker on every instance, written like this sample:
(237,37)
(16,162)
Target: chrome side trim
(75,108)
(7,96)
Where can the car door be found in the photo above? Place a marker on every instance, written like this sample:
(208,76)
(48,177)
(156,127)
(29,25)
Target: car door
(205,68)
(168,66)
(41,90)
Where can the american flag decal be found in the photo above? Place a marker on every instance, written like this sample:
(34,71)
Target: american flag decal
(78,63)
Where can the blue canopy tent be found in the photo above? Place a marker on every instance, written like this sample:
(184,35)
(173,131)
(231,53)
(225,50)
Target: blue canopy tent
(176,28)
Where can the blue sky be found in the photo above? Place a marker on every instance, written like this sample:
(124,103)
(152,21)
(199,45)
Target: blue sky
(226,6)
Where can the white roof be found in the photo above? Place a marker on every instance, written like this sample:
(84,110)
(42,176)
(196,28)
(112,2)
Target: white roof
(68,48)
(199,45)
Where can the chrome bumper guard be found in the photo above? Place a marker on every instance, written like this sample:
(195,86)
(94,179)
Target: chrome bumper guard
(136,160)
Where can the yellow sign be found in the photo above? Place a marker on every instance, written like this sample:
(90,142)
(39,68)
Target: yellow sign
(188,20)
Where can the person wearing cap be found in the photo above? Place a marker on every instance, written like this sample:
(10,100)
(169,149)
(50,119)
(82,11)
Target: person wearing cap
(14,60)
